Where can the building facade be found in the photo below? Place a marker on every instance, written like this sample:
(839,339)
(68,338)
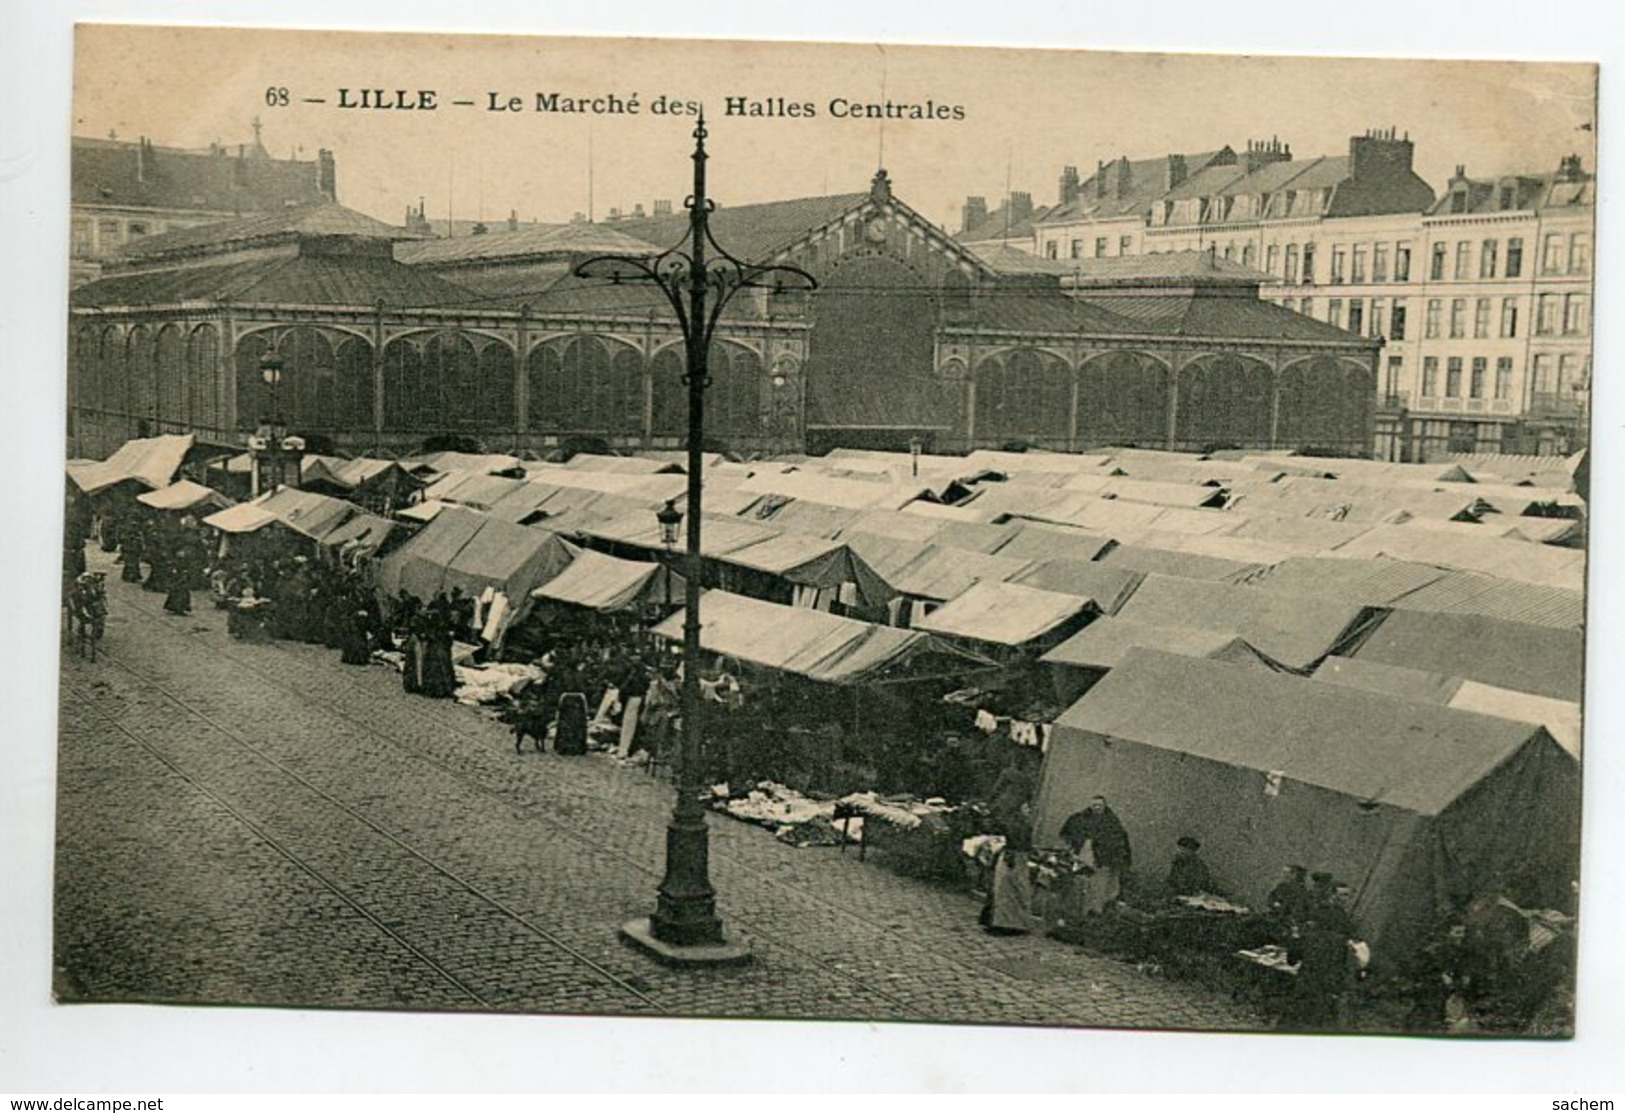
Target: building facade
(1481,297)
(386,342)
(124,191)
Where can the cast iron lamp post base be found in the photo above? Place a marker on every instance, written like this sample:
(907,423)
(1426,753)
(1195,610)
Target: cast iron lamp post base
(726,952)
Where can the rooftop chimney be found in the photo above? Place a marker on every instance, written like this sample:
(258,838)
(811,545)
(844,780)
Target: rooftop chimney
(662,207)
(327,174)
(1377,154)
(1069,185)
(1122,177)
(973,213)
(1263,152)
(513,220)
(1175,172)
(141,159)
(1100,180)
(1571,169)
(1021,207)
(637,211)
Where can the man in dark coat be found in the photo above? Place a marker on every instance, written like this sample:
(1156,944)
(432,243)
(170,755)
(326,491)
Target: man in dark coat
(1188,875)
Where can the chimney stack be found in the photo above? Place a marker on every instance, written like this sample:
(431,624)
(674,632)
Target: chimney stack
(1100,180)
(1377,154)
(1021,207)
(1175,173)
(1122,177)
(513,220)
(973,213)
(141,159)
(327,174)
(637,211)
(1571,169)
(1263,152)
(1069,185)
(662,207)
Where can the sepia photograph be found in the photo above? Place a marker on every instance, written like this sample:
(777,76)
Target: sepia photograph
(824,531)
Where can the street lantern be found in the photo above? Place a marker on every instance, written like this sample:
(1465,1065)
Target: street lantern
(670,518)
(915,446)
(698,278)
(270,444)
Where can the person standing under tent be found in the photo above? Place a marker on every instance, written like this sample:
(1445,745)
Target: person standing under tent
(1100,843)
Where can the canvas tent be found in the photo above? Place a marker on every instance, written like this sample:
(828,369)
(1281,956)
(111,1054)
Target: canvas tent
(184,495)
(1561,718)
(1541,660)
(472,551)
(804,642)
(1007,615)
(601,582)
(149,461)
(1418,808)
(1080,661)
(1296,630)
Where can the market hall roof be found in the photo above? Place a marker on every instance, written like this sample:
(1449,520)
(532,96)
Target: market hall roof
(285,225)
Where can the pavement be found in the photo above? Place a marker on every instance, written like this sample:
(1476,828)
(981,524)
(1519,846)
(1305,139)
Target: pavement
(260,824)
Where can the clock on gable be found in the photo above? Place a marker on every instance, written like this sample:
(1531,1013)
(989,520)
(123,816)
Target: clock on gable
(875,230)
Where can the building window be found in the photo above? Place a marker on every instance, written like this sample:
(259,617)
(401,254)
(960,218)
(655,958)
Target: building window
(1077,249)
(1229,252)
(1379,311)
(1431,328)
(1430,376)
(137,229)
(1402,262)
(1308,263)
(1397,329)
(1357,316)
(1509,318)
(1436,270)
(1458,318)
(107,232)
(1551,253)
(1379,262)
(1579,253)
(1566,380)
(1475,385)
(1339,259)
(1514,257)
(1306,306)
(1546,315)
(1543,374)
(1248,255)
(1452,377)
(1334,312)
(1390,385)
(1100,247)
(1574,314)
(1357,264)
(1125,245)
(1464,257)
(1503,377)
(1271,257)
(1486,259)
(83,239)
(1291,262)
(1481,319)
(1052,249)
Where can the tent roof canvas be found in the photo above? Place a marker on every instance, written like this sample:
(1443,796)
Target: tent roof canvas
(1367,746)
(1105,642)
(149,461)
(605,583)
(1004,614)
(1541,660)
(183,495)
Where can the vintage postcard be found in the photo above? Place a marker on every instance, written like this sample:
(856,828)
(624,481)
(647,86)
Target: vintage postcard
(784,530)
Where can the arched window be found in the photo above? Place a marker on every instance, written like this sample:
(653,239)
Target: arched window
(670,392)
(203,378)
(1123,400)
(139,367)
(1326,403)
(578,386)
(305,395)
(1024,395)
(253,399)
(734,401)
(111,369)
(1224,402)
(626,391)
(404,402)
(495,409)
(352,385)
(87,393)
(171,374)
(450,382)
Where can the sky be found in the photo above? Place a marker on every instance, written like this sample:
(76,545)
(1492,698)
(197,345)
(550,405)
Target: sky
(1026,113)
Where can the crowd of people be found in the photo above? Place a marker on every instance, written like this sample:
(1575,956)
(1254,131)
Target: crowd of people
(297,598)
(165,553)
(597,673)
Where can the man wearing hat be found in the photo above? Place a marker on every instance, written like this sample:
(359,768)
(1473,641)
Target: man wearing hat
(1188,875)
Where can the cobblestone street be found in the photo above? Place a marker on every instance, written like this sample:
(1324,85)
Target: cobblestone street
(261,824)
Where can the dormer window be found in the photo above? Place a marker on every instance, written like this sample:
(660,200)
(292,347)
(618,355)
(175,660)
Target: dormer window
(1509,198)
(1458,201)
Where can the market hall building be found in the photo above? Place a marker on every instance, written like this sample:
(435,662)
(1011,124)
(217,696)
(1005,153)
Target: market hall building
(388,340)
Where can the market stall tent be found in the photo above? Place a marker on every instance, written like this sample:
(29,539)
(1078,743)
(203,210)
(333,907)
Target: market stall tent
(1080,661)
(148,461)
(1417,808)
(1008,615)
(601,582)
(184,495)
(806,643)
(1561,718)
(1541,660)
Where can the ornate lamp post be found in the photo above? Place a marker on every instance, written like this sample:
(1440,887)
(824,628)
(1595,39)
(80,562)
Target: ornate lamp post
(270,443)
(670,518)
(699,278)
